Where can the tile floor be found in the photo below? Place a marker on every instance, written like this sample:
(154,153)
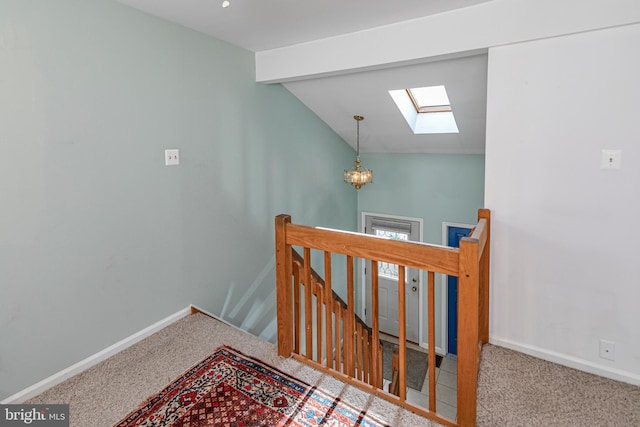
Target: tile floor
(446,389)
(446,385)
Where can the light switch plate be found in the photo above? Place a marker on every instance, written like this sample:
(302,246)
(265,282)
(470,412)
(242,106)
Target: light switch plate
(611,160)
(172,157)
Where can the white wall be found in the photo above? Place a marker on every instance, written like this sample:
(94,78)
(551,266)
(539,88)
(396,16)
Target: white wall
(565,233)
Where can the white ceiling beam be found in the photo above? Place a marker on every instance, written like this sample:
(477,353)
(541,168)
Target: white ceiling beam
(472,29)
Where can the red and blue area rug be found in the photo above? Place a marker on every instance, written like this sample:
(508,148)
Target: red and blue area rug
(231,389)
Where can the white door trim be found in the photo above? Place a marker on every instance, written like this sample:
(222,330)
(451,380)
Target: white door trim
(420,221)
(443,286)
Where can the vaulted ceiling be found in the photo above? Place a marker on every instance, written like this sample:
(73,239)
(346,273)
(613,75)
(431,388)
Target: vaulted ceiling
(259,25)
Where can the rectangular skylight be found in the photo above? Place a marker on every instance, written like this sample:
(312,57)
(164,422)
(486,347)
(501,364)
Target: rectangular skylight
(432,99)
(426,109)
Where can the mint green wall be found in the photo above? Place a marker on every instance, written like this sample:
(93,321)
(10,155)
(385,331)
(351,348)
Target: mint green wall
(434,187)
(98,239)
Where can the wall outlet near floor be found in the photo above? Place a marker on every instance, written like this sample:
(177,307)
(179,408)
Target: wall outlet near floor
(172,157)
(608,350)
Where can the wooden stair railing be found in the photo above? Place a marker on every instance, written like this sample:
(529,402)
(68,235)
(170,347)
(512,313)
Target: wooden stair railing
(334,310)
(394,386)
(360,362)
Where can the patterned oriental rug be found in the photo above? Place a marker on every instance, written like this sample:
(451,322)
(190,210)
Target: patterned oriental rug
(231,389)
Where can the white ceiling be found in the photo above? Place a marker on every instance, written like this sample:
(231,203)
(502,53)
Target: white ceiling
(267,24)
(337,99)
(259,25)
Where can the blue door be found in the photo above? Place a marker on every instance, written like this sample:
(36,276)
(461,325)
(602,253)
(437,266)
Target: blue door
(453,239)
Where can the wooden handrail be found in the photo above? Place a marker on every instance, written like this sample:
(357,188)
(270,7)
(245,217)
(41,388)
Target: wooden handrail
(361,361)
(423,256)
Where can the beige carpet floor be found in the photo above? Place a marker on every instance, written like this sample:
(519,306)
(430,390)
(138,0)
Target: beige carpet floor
(105,393)
(514,389)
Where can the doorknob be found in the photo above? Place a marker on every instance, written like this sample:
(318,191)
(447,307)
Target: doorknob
(414,289)
(414,280)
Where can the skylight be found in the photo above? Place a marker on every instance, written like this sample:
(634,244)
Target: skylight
(430,99)
(427,110)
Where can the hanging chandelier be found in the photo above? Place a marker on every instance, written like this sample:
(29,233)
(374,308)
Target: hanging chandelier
(359,175)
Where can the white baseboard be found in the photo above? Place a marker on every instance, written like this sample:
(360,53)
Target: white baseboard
(219,319)
(565,360)
(93,360)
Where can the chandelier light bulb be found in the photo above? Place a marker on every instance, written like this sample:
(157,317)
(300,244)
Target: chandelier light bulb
(225,4)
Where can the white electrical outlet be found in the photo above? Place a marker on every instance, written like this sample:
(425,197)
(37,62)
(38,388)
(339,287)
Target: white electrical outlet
(611,160)
(608,350)
(172,157)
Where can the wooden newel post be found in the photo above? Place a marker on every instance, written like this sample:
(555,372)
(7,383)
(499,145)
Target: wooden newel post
(485,263)
(468,347)
(284,305)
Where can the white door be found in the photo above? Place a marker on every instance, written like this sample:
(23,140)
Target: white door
(397,229)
